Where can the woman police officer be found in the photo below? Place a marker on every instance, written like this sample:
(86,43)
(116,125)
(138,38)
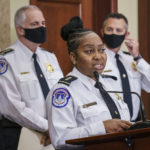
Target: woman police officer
(75,106)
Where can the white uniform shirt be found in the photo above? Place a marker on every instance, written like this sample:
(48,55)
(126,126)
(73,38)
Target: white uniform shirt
(22,99)
(138,74)
(72,120)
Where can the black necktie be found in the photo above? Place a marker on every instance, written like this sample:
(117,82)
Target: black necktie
(41,78)
(109,101)
(125,84)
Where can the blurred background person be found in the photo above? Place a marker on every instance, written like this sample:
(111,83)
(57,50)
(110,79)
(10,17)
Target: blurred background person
(131,70)
(27,74)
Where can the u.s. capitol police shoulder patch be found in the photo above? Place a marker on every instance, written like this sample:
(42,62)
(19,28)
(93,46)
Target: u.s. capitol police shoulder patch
(3,66)
(60,97)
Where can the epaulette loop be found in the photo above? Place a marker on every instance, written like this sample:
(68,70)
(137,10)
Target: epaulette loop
(109,76)
(67,80)
(125,52)
(3,52)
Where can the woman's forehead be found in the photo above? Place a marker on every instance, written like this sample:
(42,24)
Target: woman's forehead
(91,39)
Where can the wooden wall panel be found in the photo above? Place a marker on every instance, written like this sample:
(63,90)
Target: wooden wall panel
(101,8)
(144,40)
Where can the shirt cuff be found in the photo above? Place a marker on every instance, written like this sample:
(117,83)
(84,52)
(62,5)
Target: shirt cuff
(97,128)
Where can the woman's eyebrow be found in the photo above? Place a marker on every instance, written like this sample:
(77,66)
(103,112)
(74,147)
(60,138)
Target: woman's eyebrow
(91,45)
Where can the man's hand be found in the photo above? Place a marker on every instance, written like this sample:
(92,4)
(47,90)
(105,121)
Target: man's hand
(116,125)
(45,140)
(132,46)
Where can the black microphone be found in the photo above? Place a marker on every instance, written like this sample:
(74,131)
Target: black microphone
(137,125)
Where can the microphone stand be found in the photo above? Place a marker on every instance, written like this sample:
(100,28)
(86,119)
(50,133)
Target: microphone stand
(137,125)
(142,112)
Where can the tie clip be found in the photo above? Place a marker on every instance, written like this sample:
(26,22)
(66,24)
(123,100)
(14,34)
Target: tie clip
(89,104)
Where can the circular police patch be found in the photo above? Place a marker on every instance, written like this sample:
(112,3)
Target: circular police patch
(60,97)
(3,65)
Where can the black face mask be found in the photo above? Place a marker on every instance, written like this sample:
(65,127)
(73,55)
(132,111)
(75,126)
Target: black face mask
(113,40)
(36,35)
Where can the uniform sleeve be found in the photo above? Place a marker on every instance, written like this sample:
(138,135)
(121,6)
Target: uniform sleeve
(14,108)
(63,124)
(144,68)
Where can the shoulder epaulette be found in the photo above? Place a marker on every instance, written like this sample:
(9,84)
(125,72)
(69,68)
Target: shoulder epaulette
(3,52)
(126,53)
(67,80)
(46,50)
(109,76)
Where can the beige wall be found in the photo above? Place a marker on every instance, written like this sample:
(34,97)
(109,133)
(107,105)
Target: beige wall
(5,23)
(7,29)
(14,5)
(130,9)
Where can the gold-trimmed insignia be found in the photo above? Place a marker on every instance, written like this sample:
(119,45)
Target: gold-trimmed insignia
(49,67)
(133,66)
(119,97)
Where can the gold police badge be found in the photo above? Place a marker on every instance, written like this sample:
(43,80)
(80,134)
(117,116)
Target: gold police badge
(49,67)
(133,66)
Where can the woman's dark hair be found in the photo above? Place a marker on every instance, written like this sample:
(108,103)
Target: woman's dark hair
(73,33)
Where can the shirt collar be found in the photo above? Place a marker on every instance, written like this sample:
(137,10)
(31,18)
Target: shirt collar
(112,54)
(27,51)
(87,81)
